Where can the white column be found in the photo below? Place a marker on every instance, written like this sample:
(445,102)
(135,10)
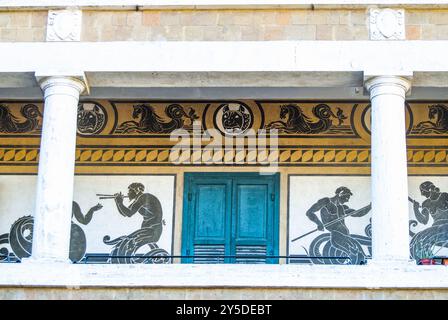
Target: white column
(52,217)
(390,215)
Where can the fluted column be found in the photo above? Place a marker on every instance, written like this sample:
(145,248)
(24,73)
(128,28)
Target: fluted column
(390,215)
(52,216)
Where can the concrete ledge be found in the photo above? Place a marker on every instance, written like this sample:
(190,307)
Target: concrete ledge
(232,63)
(216,4)
(51,293)
(223,276)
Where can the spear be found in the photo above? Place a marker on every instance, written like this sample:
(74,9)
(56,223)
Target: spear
(412,200)
(330,223)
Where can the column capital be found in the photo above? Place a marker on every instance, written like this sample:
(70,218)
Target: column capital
(76,81)
(390,85)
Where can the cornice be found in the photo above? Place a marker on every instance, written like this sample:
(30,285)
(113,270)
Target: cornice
(7,5)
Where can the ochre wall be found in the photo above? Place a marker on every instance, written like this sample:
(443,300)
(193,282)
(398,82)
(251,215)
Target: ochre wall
(223,25)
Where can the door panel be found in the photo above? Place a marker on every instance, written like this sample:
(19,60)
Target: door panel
(251,212)
(206,220)
(253,219)
(210,215)
(232,215)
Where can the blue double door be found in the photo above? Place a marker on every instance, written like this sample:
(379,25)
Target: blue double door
(230,218)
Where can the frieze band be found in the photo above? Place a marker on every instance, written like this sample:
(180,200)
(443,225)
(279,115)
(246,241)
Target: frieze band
(292,119)
(160,155)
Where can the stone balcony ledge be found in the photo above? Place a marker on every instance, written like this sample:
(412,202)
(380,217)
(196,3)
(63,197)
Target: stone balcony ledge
(223,276)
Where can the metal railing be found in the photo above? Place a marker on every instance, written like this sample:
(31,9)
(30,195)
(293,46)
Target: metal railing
(104,258)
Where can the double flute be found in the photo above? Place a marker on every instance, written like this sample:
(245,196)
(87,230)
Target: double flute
(108,196)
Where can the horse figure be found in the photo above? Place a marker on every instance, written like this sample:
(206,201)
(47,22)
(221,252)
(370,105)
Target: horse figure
(298,122)
(150,122)
(11,124)
(439,112)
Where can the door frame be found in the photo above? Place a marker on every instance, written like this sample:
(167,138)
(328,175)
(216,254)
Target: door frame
(186,208)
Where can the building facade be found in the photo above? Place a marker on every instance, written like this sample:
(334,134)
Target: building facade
(233,149)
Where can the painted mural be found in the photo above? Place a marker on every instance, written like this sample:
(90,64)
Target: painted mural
(92,118)
(27,119)
(436,123)
(329,214)
(308,133)
(298,122)
(328,227)
(129,222)
(329,219)
(429,217)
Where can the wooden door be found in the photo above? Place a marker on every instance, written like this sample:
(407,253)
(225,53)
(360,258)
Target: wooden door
(230,218)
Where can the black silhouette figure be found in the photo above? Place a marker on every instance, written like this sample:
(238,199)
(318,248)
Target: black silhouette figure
(150,122)
(235,121)
(20,236)
(439,113)
(298,122)
(126,247)
(435,206)
(11,124)
(90,121)
(78,241)
(333,213)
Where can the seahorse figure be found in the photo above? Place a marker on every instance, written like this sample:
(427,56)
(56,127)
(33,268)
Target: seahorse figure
(11,124)
(150,122)
(298,122)
(439,112)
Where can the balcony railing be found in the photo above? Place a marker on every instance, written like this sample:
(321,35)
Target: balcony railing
(105,258)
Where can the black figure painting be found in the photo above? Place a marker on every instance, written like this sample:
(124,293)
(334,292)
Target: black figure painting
(20,237)
(328,239)
(429,242)
(126,247)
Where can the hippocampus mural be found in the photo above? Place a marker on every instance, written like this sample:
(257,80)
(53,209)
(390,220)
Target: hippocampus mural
(338,246)
(428,242)
(438,112)
(20,237)
(126,247)
(325,251)
(11,124)
(299,122)
(129,238)
(150,122)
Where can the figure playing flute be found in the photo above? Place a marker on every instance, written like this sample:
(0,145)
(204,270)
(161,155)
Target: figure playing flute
(147,205)
(126,247)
